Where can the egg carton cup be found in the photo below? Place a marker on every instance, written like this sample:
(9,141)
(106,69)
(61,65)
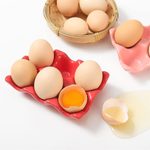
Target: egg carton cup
(55,21)
(67,67)
(137,58)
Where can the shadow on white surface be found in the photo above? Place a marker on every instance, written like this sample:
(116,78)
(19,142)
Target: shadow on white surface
(92,121)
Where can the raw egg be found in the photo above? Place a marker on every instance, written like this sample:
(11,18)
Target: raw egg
(41,53)
(68,7)
(115,112)
(138,103)
(89,75)
(48,83)
(75,26)
(87,6)
(97,20)
(23,73)
(129,33)
(72,98)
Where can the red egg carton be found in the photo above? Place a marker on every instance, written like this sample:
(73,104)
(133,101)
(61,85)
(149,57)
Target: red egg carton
(67,68)
(136,58)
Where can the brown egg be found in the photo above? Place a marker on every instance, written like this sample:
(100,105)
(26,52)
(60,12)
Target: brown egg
(23,73)
(48,83)
(87,6)
(68,7)
(75,26)
(97,20)
(88,75)
(41,53)
(129,33)
(72,98)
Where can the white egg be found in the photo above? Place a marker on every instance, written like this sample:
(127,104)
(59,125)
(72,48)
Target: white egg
(89,75)
(48,83)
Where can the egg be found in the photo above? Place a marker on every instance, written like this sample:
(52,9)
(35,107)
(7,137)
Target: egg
(129,33)
(97,20)
(115,112)
(68,7)
(88,75)
(72,98)
(87,6)
(23,73)
(41,53)
(48,83)
(75,26)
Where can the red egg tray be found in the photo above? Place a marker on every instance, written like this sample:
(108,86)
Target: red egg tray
(67,67)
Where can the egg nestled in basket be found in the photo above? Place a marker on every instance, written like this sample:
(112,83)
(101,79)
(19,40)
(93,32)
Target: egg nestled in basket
(81,21)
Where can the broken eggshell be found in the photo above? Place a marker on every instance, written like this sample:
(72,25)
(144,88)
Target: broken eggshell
(136,58)
(67,68)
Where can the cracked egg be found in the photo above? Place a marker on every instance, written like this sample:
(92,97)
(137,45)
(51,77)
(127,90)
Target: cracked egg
(73,98)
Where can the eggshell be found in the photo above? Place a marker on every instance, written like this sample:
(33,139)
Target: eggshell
(87,6)
(41,53)
(136,58)
(67,68)
(72,109)
(129,33)
(23,73)
(75,26)
(88,75)
(97,20)
(119,113)
(68,7)
(48,83)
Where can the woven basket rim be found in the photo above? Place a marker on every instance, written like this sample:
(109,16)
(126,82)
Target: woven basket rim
(58,31)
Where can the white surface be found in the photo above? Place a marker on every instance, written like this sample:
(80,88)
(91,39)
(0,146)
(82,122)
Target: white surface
(26,124)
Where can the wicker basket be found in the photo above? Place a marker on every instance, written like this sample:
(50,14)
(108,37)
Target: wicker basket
(56,20)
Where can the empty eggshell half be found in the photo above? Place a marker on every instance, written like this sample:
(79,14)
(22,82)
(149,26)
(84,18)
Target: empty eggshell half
(115,112)
(68,7)
(72,98)
(23,73)
(88,75)
(129,33)
(75,26)
(87,6)
(97,20)
(41,53)
(48,83)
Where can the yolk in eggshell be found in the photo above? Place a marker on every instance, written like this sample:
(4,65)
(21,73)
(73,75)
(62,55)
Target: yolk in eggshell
(73,97)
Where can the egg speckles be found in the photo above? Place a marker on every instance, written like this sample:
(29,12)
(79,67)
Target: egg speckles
(88,75)
(72,98)
(41,53)
(48,83)
(23,73)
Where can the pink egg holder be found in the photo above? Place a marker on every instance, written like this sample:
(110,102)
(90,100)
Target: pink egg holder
(67,67)
(136,58)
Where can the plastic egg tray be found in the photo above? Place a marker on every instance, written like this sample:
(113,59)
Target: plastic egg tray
(67,67)
(136,58)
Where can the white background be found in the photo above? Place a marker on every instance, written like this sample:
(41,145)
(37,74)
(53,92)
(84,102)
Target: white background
(26,124)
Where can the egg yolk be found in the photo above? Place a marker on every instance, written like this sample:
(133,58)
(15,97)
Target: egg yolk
(72,98)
